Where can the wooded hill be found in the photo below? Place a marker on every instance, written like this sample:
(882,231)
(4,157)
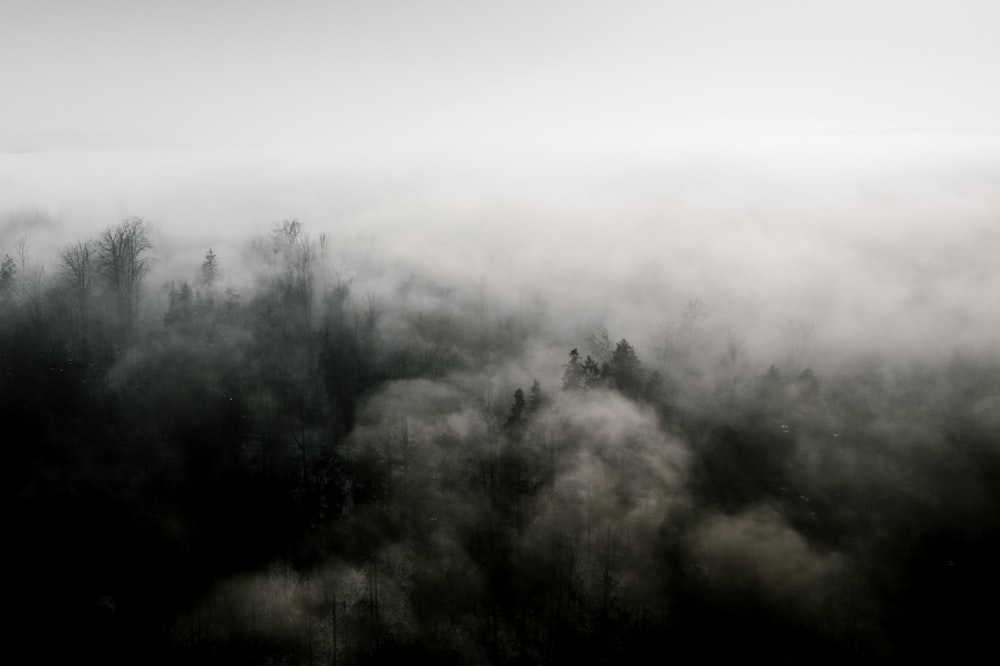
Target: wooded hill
(286,472)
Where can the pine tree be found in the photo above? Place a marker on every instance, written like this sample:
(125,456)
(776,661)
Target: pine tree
(536,398)
(210,269)
(573,373)
(626,369)
(516,410)
(8,273)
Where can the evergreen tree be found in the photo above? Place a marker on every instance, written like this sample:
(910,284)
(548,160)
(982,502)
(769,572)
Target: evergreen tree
(516,410)
(536,399)
(626,370)
(574,374)
(8,273)
(210,269)
(593,372)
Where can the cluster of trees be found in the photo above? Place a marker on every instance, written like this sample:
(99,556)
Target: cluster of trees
(287,474)
(97,285)
(621,371)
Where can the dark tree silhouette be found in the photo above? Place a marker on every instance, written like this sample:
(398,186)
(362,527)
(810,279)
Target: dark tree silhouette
(8,275)
(626,370)
(291,477)
(76,270)
(123,261)
(517,410)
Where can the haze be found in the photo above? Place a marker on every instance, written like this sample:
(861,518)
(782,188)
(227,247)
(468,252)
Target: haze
(501,333)
(835,158)
(395,76)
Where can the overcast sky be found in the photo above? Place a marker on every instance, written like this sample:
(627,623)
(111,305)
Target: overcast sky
(450,73)
(837,161)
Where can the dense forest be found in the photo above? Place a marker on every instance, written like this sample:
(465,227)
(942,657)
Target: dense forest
(265,461)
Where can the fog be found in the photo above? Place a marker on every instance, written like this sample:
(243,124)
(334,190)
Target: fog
(577,407)
(880,241)
(527,333)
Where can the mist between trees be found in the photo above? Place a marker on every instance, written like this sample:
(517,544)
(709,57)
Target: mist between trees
(267,460)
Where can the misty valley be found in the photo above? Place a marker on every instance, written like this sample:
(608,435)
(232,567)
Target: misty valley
(266,457)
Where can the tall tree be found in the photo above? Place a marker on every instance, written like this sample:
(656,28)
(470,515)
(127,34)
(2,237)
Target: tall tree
(31,281)
(292,253)
(537,398)
(626,370)
(573,373)
(8,275)
(593,373)
(210,272)
(123,262)
(516,410)
(76,270)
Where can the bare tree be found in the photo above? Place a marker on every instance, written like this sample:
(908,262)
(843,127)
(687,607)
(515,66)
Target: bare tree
(76,270)
(76,267)
(31,283)
(122,262)
(22,251)
(677,336)
(324,251)
(372,312)
(294,254)
(601,345)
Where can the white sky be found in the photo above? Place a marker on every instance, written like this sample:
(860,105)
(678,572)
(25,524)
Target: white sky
(466,74)
(829,160)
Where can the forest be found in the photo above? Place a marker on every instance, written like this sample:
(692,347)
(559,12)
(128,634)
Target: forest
(267,460)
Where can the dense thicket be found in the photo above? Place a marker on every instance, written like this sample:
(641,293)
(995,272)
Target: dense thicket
(284,473)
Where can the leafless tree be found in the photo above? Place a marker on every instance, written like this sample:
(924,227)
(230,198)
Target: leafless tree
(76,267)
(76,270)
(294,254)
(372,312)
(22,251)
(31,282)
(678,335)
(122,261)
(33,287)
(601,345)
